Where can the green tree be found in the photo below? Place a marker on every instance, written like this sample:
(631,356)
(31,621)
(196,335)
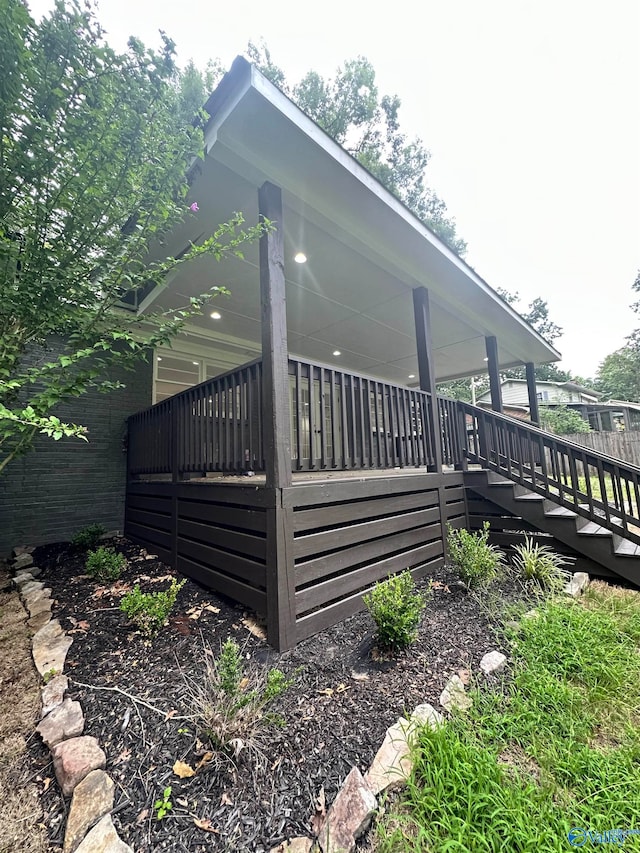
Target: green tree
(350,108)
(619,374)
(562,420)
(94,153)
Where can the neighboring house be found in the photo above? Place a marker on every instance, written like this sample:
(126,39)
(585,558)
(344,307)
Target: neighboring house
(609,416)
(515,393)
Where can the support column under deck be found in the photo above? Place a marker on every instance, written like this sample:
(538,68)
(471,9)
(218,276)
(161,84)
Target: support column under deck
(494,373)
(533,393)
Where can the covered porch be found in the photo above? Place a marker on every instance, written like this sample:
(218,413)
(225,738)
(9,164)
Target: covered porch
(298,478)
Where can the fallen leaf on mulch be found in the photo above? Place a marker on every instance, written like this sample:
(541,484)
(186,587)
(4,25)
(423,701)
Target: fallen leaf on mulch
(205,823)
(206,759)
(254,628)
(183,770)
(225,799)
(144,814)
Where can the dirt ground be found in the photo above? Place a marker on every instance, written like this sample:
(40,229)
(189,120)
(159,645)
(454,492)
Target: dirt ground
(21,817)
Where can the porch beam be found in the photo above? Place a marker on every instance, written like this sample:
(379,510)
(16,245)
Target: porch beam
(275,355)
(491,344)
(534,414)
(426,372)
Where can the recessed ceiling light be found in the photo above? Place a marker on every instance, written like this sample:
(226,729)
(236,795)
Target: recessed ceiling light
(300,258)
(159,358)
(412,376)
(196,362)
(216,315)
(486,358)
(337,352)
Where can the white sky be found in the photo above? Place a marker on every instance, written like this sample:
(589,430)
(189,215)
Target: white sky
(531,109)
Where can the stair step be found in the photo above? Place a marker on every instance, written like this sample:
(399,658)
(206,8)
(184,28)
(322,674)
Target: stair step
(529,496)
(592,528)
(497,480)
(561,512)
(624,548)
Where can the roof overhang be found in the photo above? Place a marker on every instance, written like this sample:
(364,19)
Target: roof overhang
(366,251)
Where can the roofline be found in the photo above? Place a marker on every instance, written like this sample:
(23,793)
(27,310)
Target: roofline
(243,75)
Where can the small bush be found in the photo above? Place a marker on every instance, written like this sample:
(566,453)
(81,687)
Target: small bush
(396,608)
(105,564)
(149,610)
(230,702)
(540,563)
(88,537)
(476,561)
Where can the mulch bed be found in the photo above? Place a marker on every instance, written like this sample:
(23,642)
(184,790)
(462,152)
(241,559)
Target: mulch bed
(335,714)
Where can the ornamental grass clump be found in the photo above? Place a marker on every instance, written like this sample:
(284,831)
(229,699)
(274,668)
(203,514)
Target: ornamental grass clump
(396,608)
(105,564)
(540,563)
(476,561)
(150,610)
(230,702)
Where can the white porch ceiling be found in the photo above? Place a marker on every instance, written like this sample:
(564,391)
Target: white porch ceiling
(365,253)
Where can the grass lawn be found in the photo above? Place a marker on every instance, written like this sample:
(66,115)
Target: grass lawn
(555,747)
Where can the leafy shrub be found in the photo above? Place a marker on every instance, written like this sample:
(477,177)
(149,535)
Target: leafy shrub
(149,610)
(540,563)
(88,537)
(563,421)
(230,701)
(395,607)
(476,561)
(105,564)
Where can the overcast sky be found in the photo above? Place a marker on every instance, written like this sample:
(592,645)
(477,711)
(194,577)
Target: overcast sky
(531,111)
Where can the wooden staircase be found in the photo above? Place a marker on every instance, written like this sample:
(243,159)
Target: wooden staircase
(615,554)
(586,500)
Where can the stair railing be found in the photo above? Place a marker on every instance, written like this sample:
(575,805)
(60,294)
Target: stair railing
(593,485)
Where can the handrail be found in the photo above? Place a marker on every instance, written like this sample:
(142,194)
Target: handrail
(595,486)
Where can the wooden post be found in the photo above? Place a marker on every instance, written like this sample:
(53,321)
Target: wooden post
(422,317)
(275,355)
(276,426)
(494,373)
(534,414)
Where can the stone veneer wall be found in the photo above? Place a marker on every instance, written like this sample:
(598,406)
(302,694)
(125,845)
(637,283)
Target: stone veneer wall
(61,486)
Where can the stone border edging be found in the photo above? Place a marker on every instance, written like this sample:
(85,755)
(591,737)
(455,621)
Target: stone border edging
(78,760)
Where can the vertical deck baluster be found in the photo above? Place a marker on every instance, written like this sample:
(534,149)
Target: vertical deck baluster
(323,416)
(334,432)
(312,413)
(298,410)
(346,456)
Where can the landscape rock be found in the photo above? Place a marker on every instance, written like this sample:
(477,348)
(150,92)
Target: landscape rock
(46,635)
(300,844)
(577,585)
(35,596)
(52,694)
(19,550)
(31,586)
(50,658)
(392,764)
(453,695)
(23,577)
(103,838)
(65,721)
(92,799)
(493,663)
(40,603)
(74,759)
(22,561)
(349,816)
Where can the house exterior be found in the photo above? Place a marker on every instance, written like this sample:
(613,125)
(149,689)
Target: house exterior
(296,452)
(515,393)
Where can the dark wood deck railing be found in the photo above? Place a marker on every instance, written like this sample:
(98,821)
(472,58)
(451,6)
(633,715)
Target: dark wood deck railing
(214,426)
(343,420)
(595,486)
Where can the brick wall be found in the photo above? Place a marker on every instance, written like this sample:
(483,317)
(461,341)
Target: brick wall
(61,486)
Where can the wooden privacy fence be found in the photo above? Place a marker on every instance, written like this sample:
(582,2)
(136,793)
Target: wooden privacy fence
(597,487)
(620,445)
